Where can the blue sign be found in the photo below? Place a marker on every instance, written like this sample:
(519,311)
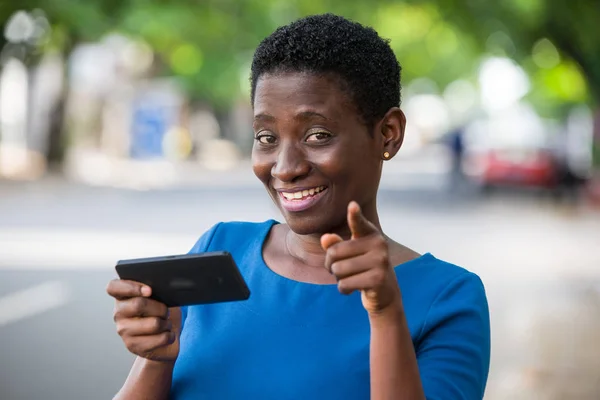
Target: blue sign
(151,121)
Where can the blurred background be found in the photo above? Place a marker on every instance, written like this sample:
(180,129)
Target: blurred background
(125,131)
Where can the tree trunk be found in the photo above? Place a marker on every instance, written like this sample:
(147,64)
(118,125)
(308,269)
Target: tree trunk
(596,140)
(56,143)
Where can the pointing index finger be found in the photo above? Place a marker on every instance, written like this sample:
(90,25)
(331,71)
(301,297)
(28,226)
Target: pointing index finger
(359,225)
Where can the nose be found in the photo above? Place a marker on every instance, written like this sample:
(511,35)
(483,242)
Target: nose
(291,164)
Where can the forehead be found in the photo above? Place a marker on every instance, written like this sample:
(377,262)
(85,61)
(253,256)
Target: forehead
(291,93)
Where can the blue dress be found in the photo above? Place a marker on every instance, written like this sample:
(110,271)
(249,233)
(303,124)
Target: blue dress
(295,340)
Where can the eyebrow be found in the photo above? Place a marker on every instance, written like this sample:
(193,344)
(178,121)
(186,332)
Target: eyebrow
(310,114)
(301,115)
(264,117)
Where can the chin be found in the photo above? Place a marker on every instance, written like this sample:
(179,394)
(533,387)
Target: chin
(316,224)
(302,227)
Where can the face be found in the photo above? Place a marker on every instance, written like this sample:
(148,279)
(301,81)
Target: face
(312,152)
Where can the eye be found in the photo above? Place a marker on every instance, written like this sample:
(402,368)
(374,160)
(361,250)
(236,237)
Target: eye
(320,136)
(265,138)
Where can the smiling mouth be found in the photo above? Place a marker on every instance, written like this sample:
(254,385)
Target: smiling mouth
(301,200)
(302,194)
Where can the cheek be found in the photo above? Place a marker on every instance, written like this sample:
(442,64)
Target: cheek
(339,167)
(261,165)
(350,161)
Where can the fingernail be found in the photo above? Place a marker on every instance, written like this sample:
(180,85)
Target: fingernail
(146,291)
(334,275)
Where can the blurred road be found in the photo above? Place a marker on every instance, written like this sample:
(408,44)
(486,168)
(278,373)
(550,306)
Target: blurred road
(59,243)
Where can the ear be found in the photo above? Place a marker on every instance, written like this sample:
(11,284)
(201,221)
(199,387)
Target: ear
(391,129)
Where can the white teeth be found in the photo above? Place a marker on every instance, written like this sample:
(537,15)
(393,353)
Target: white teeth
(303,193)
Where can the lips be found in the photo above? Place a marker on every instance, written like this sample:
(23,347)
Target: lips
(301,200)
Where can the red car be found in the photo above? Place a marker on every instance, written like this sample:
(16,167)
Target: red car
(517,167)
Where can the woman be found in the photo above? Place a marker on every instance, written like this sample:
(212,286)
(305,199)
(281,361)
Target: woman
(338,310)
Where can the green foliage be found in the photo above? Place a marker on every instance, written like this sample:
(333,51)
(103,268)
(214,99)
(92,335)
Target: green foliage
(208,44)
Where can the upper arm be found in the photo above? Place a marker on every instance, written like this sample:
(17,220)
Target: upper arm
(453,351)
(203,243)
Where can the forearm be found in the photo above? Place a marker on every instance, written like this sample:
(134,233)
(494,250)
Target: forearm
(147,380)
(394,368)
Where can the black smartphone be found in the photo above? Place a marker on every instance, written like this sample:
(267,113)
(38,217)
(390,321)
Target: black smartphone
(190,279)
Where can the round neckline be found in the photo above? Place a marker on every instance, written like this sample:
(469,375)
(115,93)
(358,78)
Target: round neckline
(275,275)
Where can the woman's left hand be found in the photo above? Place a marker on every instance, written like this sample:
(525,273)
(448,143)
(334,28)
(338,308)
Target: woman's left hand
(363,263)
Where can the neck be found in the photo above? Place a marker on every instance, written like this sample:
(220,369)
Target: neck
(307,248)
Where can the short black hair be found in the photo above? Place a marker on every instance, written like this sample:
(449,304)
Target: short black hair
(329,43)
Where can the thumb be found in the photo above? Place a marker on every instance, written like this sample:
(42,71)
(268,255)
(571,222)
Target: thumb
(329,239)
(358,224)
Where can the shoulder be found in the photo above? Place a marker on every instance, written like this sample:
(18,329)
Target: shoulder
(438,290)
(456,291)
(453,340)
(225,234)
(436,274)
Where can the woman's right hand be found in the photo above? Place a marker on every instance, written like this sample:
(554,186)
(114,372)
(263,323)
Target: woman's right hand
(148,328)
